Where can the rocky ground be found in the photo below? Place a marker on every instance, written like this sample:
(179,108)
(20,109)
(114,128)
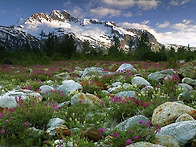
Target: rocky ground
(92,105)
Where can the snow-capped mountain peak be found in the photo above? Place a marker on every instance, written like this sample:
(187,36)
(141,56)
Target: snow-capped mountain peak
(97,33)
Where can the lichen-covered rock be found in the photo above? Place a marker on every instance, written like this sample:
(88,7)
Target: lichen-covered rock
(85,98)
(140,81)
(188,70)
(184,131)
(126,67)
(144,144)
(130,122)
(158,76)
(168,112)
(184,117)
(166,140)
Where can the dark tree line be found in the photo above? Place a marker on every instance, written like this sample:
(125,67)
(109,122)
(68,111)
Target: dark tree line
(64,48)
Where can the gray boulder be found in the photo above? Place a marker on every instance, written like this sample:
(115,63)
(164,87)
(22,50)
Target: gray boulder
(140,81)
(189,81)
(184,131)
(9,99)
(158,76)
(89,71)
(188,70)
(69,86)
(53,124)
(130,122)
(185,87)
(124,94)
(45,88)
(126,67)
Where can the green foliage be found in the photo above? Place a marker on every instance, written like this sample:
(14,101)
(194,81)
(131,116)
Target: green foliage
(136,133)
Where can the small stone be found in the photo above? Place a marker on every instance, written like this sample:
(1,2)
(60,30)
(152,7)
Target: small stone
(54,122)
(92,134)
(86,99)
(62,131)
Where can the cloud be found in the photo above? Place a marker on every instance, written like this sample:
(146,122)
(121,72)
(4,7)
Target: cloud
(3,12)
(163,25)
(182,33)
(128,14)
(67,3)
(143,4)
(178,2)
(102,12)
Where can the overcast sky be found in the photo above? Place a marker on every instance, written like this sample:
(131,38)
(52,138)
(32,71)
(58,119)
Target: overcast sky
(170,21)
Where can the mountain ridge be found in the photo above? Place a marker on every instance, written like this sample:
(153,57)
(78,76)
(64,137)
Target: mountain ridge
(98,33)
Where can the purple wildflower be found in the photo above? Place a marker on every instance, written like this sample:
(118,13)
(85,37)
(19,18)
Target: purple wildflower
(115,134)
(140,122)
(128,141)
(6,121)
(135,137)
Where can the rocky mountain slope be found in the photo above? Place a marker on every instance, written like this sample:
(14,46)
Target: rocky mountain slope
(98,33)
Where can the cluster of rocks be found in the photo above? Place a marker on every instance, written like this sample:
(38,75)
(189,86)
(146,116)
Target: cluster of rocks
(177,121)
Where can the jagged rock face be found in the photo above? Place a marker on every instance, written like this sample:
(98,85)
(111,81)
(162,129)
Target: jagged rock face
(12,37)
(41,15)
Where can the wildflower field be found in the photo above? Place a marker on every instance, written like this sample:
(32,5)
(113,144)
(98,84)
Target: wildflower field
(43,114)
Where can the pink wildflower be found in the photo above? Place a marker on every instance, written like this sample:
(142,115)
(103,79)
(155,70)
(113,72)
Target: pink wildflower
(131,131)
(158,128)
(115,134)
(140,122)
(102,103)
(80,101)
(135,137)
(25,123)
(6,121)
(102,130)
(128,141)
(139,102)
(148,124)
(1,115)
(2,131)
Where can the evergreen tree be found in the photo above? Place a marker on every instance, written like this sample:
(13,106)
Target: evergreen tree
(51,44)
(67,46)
(143,49)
